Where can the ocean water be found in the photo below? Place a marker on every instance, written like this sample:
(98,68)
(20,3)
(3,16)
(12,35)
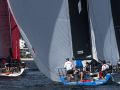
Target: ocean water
(33,79)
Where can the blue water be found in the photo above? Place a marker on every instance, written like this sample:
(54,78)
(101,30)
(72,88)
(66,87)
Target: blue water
(32,79)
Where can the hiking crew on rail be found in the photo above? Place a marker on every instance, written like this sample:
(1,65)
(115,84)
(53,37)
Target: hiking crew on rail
(76,72)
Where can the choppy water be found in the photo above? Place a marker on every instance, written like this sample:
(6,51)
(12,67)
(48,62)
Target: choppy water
(32,79)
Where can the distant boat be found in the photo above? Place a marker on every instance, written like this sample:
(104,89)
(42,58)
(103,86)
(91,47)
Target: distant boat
(66,28)
(15,74)
(10,64)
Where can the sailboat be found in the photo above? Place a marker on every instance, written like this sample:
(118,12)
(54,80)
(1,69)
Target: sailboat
(10,64)
(67,28)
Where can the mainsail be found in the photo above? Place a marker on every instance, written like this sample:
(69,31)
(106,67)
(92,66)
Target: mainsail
(102,22)
(9,33)
(4,30)
(80,29)
(15,37)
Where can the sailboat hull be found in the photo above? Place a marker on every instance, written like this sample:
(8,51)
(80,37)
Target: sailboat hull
(14,74)
(107,79)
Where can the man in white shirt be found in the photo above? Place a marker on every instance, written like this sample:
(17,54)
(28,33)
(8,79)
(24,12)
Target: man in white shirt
(69,67)
(104,69)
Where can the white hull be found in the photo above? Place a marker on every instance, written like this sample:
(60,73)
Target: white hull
(15,74)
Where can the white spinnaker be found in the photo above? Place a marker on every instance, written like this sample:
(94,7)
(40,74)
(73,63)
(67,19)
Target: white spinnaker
(102,21)
(47,26)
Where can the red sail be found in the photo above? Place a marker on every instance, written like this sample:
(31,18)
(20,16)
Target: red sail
(4,29)
(15,38)
(9,33)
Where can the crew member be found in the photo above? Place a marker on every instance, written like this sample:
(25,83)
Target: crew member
(69,67)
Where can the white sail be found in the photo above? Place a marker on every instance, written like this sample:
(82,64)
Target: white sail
(46,24)
(94,51)
(102,21)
